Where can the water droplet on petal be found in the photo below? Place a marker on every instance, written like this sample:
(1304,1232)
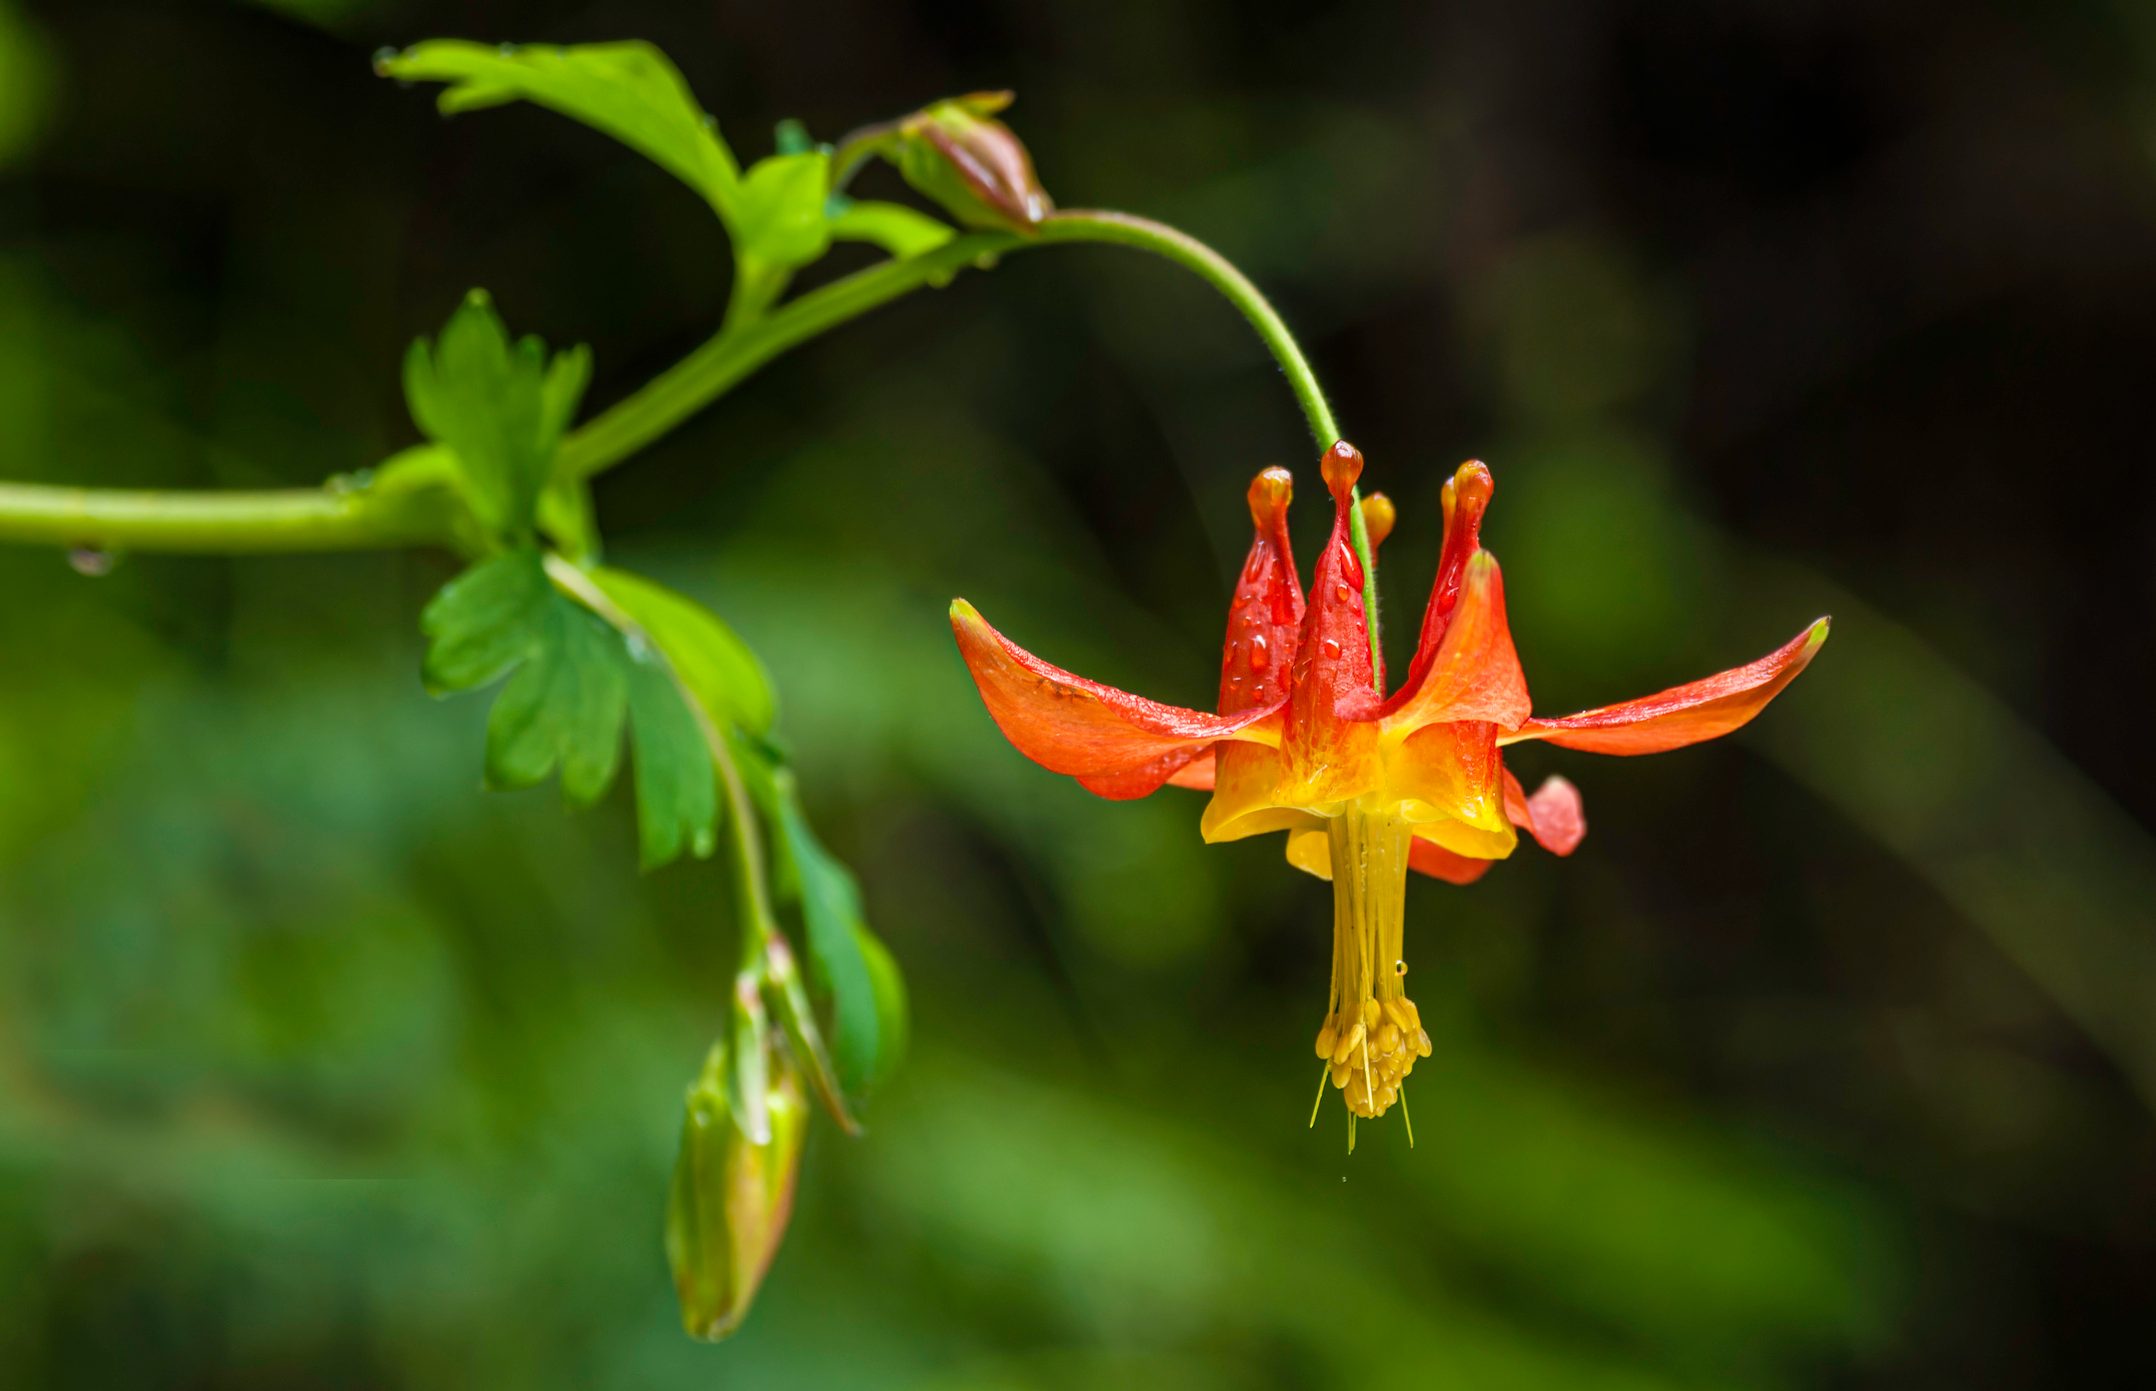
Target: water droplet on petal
(1331,646)
(91,561)
(1399,968)
(1260,652)
(1343,593)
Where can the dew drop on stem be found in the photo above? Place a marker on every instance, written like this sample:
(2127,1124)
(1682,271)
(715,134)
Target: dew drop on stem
(91,561)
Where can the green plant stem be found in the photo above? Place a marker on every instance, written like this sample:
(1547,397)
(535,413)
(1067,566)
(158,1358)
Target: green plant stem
(723,362)
(326,519)
(289,519)
(719,365)
(1126,229)
(752,885)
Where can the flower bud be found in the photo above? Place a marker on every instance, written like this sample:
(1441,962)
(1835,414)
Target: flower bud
(731,1197)
(958,154)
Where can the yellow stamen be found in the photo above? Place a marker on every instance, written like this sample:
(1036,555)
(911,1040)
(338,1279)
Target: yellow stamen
(1372,1033)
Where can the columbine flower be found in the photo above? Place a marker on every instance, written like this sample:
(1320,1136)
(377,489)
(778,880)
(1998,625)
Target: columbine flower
(1366,786)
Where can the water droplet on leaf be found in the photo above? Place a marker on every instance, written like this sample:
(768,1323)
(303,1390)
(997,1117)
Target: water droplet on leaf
(91,561)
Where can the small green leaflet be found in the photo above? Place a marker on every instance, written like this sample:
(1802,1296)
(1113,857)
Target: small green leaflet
(776,211)
(500,407)
(848,965)
(779,219)
(896,228)
(677,799)
(628,90)
(892,1024)
(573,683)
(716,666)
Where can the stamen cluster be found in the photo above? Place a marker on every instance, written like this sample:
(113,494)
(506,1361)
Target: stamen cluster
(1372,1048)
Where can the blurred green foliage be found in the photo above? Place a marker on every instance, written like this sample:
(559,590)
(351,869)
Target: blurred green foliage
(319,1067)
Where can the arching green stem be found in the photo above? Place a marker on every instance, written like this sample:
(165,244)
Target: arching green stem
(359,518)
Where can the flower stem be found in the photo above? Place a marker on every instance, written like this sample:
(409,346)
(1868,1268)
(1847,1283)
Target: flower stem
(1216,270)
(1126,229)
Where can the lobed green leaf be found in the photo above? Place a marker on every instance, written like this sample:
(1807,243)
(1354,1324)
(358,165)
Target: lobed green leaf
(780,212)
(484,622)
(677,796)
(500,407)
(718,668)
(573,685)
(564,706)
(628,90)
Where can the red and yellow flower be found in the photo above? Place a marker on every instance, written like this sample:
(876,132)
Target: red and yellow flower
(1366,786)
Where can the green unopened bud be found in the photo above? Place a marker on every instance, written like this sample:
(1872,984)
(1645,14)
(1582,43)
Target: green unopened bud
(959,154)
(731,1196)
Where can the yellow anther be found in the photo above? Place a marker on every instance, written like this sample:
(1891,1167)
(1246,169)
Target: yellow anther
(1348,1045)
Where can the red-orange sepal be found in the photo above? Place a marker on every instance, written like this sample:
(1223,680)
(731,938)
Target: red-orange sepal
(1682,715)
(1328,744)
(1265,616)
(1115,743)
(1465,498)
(1465,667)
(1428,857)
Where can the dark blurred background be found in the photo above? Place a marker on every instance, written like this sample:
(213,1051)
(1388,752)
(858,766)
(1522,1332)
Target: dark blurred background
(1828,1061)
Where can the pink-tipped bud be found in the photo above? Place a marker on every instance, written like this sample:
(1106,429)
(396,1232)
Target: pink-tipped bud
(958,154)
(1342,465)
